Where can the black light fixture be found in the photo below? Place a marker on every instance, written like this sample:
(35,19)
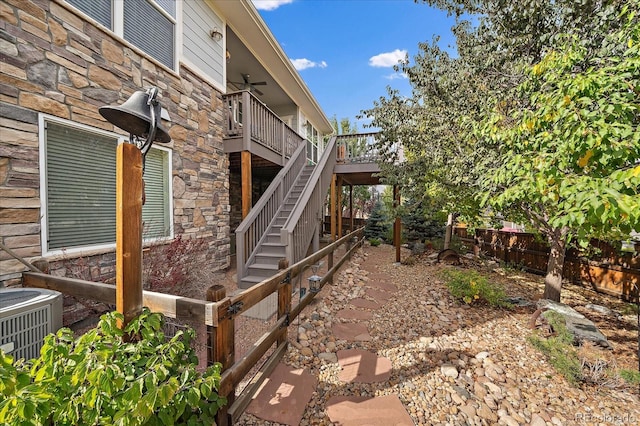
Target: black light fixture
(216,34)
(140,117)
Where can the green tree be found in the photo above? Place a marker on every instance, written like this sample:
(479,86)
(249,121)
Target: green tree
(447,159)
(420,223)
(571,146)
(377,225)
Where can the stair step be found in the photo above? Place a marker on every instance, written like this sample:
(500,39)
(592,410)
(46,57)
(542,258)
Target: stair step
(269,266)
(272,237)
(268,258)
(250,280)
(275,248)
(264,272)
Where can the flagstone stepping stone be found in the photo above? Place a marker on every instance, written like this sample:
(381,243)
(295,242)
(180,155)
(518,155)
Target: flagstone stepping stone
(359,411)
(378,295)
(357,332)
(283,397)
(354,314)
(364,303)
(382,285)
(360,366)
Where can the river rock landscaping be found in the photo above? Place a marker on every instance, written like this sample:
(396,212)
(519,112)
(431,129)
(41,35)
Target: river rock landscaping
(453,363)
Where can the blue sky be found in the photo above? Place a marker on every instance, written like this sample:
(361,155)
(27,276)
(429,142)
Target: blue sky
(345,49)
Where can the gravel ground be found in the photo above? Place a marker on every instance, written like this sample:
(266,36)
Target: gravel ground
(454,364)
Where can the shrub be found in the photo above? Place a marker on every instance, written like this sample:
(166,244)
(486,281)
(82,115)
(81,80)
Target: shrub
(375,242)
(471,286)
(100,378)
(559,348)
(632,377)
(167,266)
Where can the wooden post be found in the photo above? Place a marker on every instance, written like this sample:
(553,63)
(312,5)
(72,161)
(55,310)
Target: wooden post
(332,207)
(330,265)
(128,231)
(245,170)
(339,205)
(215,293)
(351,208)
(397,227)
(284,307)
(222,347)
(448,231)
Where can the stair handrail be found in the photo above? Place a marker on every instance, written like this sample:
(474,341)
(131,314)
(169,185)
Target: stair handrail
(297,231)
(254,227)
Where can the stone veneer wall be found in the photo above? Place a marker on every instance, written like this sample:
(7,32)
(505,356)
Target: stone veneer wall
(57,63)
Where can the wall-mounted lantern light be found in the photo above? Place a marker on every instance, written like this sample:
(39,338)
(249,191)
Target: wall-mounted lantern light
(216,34)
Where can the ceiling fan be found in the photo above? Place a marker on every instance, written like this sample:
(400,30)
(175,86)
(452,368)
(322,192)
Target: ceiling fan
(247,84)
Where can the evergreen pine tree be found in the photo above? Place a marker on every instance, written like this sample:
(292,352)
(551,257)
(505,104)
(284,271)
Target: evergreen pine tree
(377,225)
(419,224)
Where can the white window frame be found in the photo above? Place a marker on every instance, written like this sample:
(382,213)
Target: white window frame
(43,119)
(117,19)
(314,140)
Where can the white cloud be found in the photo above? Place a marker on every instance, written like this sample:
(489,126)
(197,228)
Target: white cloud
(396,76)
(270,4)
(303,64)
(388,59)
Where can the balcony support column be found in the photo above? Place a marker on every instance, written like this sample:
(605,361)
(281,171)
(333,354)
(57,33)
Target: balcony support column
(339,205)
(351,208)
(245,169)
(332,206)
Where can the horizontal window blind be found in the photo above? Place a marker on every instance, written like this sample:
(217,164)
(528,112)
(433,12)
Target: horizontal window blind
(168,5)
(155,212)
(150,30)
(81,189)
(100,10)
(81,182)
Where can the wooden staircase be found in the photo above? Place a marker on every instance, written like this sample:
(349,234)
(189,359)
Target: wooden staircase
(271,250)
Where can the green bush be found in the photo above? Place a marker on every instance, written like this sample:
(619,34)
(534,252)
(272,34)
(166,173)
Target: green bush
(559,348)
(100,378)
(375,242)
(632,377)
(471,286)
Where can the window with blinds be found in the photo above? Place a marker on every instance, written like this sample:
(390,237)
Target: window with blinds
(149,25)
(80,189)
(149,29)
(100,10)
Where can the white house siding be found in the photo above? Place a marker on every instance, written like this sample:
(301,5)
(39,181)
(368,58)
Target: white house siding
(198,48)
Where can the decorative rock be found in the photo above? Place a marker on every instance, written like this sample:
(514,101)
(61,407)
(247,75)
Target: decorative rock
(536,420)
(328,357)
(469,410)
(485,412)
(449,370)
(482,355)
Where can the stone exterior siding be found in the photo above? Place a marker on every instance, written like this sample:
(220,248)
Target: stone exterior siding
(56,62)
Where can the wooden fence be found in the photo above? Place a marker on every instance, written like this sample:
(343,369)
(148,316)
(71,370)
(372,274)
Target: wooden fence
(609,272)
(218,316)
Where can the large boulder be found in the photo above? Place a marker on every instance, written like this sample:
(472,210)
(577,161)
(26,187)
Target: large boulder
(577,324)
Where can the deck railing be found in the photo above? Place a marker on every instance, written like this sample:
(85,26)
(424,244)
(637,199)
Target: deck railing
(363,148)
(245,111)
(254,227)
(299,229)
(218,316)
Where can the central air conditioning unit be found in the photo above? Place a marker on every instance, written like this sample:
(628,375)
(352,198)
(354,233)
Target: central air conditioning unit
(27,315)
